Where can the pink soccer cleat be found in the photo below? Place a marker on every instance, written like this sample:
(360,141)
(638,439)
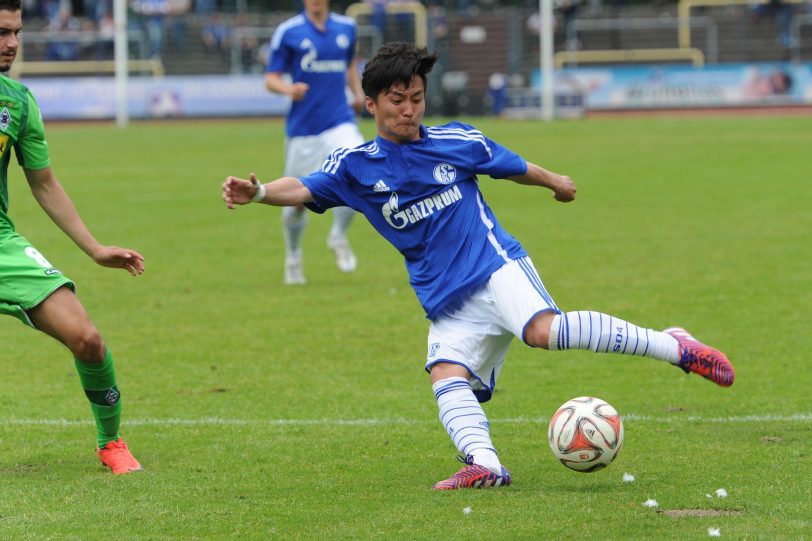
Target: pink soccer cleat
(474,476)
(701,359)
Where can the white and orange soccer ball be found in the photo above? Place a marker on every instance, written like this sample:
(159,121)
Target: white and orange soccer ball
(586,434)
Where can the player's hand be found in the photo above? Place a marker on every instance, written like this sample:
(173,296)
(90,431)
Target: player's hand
(119,258)
(238,191)
(298,91)
(564,190)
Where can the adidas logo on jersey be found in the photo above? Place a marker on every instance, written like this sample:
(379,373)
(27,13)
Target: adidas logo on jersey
(381,186)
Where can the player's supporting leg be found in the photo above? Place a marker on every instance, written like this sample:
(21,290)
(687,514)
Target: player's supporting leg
(466,423)
(294,221)
(338,242)
(62,316)
(603,333)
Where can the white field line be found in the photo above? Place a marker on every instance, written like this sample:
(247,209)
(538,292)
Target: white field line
(219,421)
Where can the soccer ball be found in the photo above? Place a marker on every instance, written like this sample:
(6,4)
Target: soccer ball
(586,434)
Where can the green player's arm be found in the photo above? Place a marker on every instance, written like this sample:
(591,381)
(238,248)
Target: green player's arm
(53,199)
(282,192)
(561,185)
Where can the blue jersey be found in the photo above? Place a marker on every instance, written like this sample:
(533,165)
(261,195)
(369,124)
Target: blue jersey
(423,197)
(319,59)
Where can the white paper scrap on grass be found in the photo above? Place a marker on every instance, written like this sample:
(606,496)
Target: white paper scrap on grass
(650,503)
(714,532)
(628,478)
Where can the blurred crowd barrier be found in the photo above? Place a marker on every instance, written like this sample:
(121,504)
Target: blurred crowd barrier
(607,55)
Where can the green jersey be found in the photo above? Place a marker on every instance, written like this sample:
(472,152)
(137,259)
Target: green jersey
(21,127)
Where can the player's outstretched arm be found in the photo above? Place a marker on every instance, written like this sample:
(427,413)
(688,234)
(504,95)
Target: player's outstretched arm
(282,192)
(562,186)
(57,205)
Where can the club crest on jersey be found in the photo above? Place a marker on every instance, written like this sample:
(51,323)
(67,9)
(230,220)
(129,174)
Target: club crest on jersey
(342,41)
(422,209)
(433,348)
(445,173)
(5,119)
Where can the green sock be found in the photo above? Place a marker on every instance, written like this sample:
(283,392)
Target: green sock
(99,382)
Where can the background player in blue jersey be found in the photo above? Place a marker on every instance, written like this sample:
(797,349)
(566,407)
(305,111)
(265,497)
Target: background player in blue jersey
(316,48)
(418,187)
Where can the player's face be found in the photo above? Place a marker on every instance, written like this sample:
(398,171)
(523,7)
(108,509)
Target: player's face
(316,6)
(11,23)
(399,111)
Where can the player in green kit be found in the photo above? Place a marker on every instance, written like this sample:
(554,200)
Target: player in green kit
(31,289)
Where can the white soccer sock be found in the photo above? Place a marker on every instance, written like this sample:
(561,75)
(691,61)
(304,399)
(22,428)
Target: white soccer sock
(465,421)
(342,217)
(294,221)
(607,334)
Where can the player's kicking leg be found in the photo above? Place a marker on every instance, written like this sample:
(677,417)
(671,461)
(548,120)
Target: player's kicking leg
(63,317)
(603,333)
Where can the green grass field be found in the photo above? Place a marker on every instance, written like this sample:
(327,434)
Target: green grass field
(268,412)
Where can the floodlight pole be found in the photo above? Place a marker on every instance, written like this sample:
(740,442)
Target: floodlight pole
(121,55)
(546,62)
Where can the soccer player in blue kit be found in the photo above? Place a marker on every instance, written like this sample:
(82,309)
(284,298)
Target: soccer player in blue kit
(317,49)
(417,186)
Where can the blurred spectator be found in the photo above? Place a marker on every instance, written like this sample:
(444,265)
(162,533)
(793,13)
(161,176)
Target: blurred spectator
(498,93)
(64,46)
(783,13)
(107,34)
(217,35)
(248,46)
(153,14)
(398,27)
(34,8)
(378,17)
(178,10)
(568,9)
(50,8)
(204,7)
(262,54)
(95,9)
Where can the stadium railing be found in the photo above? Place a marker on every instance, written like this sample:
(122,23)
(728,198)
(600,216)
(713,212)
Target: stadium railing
(626,25)
(363,11)
(695,56)
(684,8)
(90,55)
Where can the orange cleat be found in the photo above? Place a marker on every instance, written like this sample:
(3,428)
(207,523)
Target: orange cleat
(701,359)
(118,458)
(474,476)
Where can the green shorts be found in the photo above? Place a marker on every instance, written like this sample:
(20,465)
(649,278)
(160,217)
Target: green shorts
(26,277)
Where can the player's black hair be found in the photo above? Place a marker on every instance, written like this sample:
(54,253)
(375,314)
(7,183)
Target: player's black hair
(395,62)
(10,5)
